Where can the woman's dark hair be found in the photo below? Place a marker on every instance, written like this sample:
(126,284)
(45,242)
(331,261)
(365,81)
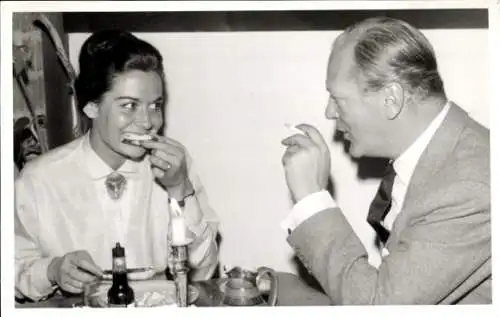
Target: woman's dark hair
(106,54)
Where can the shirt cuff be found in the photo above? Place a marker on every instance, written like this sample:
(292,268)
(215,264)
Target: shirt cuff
(198,229)
(41,284)
(199,250)
(306,208)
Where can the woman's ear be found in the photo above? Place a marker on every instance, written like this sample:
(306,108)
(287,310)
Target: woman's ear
(91,110)
(394,100)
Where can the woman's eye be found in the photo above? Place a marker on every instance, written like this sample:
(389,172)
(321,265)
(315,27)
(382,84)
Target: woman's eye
(129,105)
(156,106)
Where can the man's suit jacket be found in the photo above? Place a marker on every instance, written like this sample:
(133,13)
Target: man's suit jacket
(440,244)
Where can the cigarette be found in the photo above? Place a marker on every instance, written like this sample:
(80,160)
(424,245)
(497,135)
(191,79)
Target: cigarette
(293,129)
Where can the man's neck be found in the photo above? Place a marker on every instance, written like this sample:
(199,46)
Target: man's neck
(416,119)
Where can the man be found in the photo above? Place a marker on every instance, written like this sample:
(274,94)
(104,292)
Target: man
(432,213)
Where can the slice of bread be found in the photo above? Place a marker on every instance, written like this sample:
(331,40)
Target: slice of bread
(136,138)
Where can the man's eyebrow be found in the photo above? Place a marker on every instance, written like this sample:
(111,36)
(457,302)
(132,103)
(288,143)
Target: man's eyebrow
(332,93)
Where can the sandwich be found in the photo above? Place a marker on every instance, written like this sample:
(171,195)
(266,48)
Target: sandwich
(136,138)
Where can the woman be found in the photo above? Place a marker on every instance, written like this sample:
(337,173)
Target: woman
(74,203)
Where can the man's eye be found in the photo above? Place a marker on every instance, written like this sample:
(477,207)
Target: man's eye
(338,103)
(334,101)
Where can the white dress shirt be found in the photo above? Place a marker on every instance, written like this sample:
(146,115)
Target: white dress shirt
(404,166)
(62,205)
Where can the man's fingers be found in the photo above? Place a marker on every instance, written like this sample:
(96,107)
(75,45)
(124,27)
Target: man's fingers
(289,152)
(298,140)
(313,133)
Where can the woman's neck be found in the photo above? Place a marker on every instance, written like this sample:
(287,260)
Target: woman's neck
(110,157)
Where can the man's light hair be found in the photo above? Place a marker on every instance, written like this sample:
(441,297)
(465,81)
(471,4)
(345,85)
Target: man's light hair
(387,50)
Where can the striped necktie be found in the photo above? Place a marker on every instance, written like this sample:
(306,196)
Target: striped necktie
(381,204)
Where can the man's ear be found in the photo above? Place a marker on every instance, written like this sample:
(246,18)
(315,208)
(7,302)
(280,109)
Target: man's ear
(394,100)
(91,110)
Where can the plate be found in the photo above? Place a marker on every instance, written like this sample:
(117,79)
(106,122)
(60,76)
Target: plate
(148,293)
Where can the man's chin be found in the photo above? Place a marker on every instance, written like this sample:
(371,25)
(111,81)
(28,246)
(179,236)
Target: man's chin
(355,152)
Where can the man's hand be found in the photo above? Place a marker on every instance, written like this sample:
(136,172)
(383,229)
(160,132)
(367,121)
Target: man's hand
(168,161)
(306,162)
(72,271)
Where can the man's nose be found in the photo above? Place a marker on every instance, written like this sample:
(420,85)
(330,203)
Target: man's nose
(331,110)
(340,126)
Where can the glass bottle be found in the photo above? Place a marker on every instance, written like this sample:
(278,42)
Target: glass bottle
(120,294)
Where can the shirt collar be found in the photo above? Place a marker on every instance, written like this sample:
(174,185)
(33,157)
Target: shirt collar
(97,168)
(405,164)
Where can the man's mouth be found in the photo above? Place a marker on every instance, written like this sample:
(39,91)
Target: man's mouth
(346,135)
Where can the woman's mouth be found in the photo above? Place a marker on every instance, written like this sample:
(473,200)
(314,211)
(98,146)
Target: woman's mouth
(133,138)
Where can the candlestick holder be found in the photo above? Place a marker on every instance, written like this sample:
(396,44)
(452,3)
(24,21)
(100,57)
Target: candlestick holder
(179,270)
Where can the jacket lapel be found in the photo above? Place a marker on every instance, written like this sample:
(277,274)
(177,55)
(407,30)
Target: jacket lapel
(438,150)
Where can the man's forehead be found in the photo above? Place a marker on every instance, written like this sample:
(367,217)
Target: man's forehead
(340,63)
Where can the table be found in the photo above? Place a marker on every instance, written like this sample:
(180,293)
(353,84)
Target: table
(291,292)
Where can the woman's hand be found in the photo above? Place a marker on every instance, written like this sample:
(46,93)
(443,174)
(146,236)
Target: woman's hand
(168,161)
(73,270)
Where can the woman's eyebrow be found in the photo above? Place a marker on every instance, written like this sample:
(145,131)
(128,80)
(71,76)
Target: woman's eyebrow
(137,99)
(127,98)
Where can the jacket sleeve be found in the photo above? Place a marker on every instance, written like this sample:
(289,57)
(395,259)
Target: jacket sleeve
(30,263)
(434,254)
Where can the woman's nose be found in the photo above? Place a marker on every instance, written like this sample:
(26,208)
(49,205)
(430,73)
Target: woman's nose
(331,110)
(143,119)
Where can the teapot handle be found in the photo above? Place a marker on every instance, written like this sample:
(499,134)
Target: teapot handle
(273,292)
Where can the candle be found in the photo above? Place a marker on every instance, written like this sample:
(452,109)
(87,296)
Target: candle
(174,205)
(293,129)
(178,231)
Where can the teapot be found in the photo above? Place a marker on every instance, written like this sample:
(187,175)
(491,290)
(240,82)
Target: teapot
(245,288)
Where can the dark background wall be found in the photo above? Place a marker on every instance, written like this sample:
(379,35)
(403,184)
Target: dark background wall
(266,20)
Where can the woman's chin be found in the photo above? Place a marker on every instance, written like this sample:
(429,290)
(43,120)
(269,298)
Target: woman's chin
(133,152)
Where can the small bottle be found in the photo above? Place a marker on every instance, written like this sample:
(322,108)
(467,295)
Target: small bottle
(120,294)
